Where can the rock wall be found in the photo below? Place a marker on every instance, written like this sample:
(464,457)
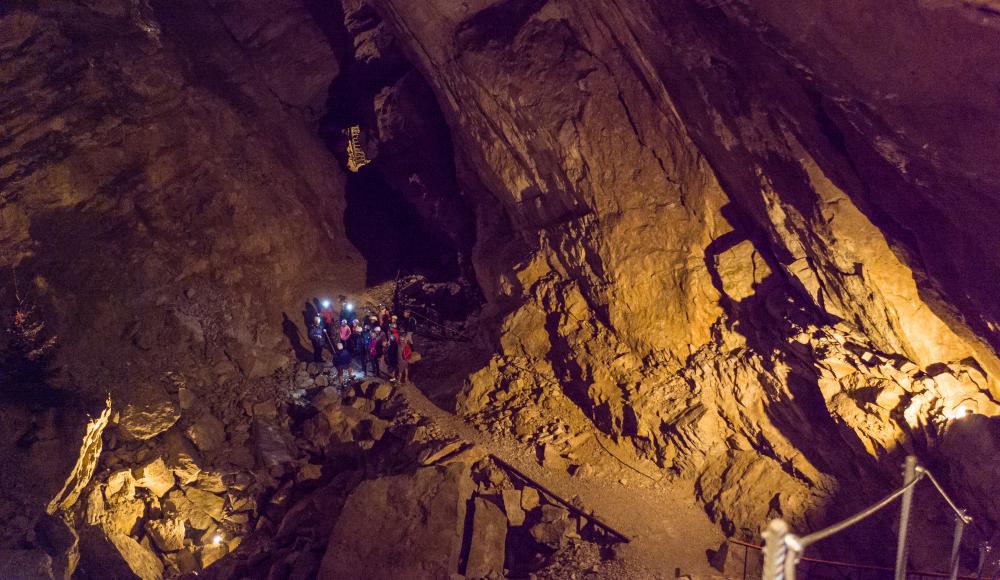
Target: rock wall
(165,198)
(750,238)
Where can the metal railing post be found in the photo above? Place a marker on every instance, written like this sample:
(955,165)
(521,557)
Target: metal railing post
(909,474)
(775,550)
(984,548)
(955,545)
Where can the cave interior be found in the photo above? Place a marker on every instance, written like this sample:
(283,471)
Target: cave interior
(676,274)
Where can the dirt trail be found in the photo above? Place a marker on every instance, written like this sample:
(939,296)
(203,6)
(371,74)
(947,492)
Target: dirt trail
(668,533)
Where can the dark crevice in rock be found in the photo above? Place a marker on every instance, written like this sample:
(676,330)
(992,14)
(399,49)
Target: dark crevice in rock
(405,211)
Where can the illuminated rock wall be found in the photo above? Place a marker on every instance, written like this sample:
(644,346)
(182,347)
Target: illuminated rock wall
(755,240)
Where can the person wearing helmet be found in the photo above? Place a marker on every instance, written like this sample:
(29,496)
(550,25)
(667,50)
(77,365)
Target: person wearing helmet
(384,317)
(363,345)
(326,311)
(345,331)
(342,360)
(391,356)
(318,339)
(346,309)
(374,349)
(408,324)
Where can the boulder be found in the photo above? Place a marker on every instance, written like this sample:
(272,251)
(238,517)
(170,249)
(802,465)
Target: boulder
(116,556)
(154,476)
(512,506)
(142,561)
(269,444)
(178,505)
(207,433)
(404,526)
(187,398)
(210,481)
(96,507)
(373,428)
(308,472)
(345,423)
(120,486)
(86,463)
(182,562)
(266,410)
(182,458)
(211,553)
(549,457)
(167,534)
(487,548)
(436,453)
(381,392)
(147,420)
(552,534)
(553,513)
(122,515)
(209,503)
(530,498)
(326,399)
(364,405)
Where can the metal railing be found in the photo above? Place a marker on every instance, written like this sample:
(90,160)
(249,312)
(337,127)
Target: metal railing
(783,550)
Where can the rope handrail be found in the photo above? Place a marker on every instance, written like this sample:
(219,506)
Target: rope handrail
(444,327)
(783,550)
(814,537)
(958,512)
(840,564)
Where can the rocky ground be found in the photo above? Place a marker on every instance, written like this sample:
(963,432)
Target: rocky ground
(304,478)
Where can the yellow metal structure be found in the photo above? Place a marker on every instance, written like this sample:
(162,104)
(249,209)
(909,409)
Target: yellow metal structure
(356,158)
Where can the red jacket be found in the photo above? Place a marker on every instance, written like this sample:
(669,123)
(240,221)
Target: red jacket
(327,314)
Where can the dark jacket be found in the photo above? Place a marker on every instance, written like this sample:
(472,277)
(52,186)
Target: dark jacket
(408,324)
(392,353)
(342,358)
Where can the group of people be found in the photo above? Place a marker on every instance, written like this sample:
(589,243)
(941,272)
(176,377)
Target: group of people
(379,340)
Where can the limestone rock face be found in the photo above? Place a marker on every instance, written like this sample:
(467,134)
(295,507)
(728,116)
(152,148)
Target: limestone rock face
(405,526)
(726,233)
(166,197)
(17,564)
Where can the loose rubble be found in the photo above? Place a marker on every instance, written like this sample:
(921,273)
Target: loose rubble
(343,480)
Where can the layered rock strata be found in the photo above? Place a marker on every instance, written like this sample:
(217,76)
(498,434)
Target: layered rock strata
(164,199)
(723,231)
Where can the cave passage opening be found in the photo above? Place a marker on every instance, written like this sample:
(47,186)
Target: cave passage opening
(391,235)
(404,211)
